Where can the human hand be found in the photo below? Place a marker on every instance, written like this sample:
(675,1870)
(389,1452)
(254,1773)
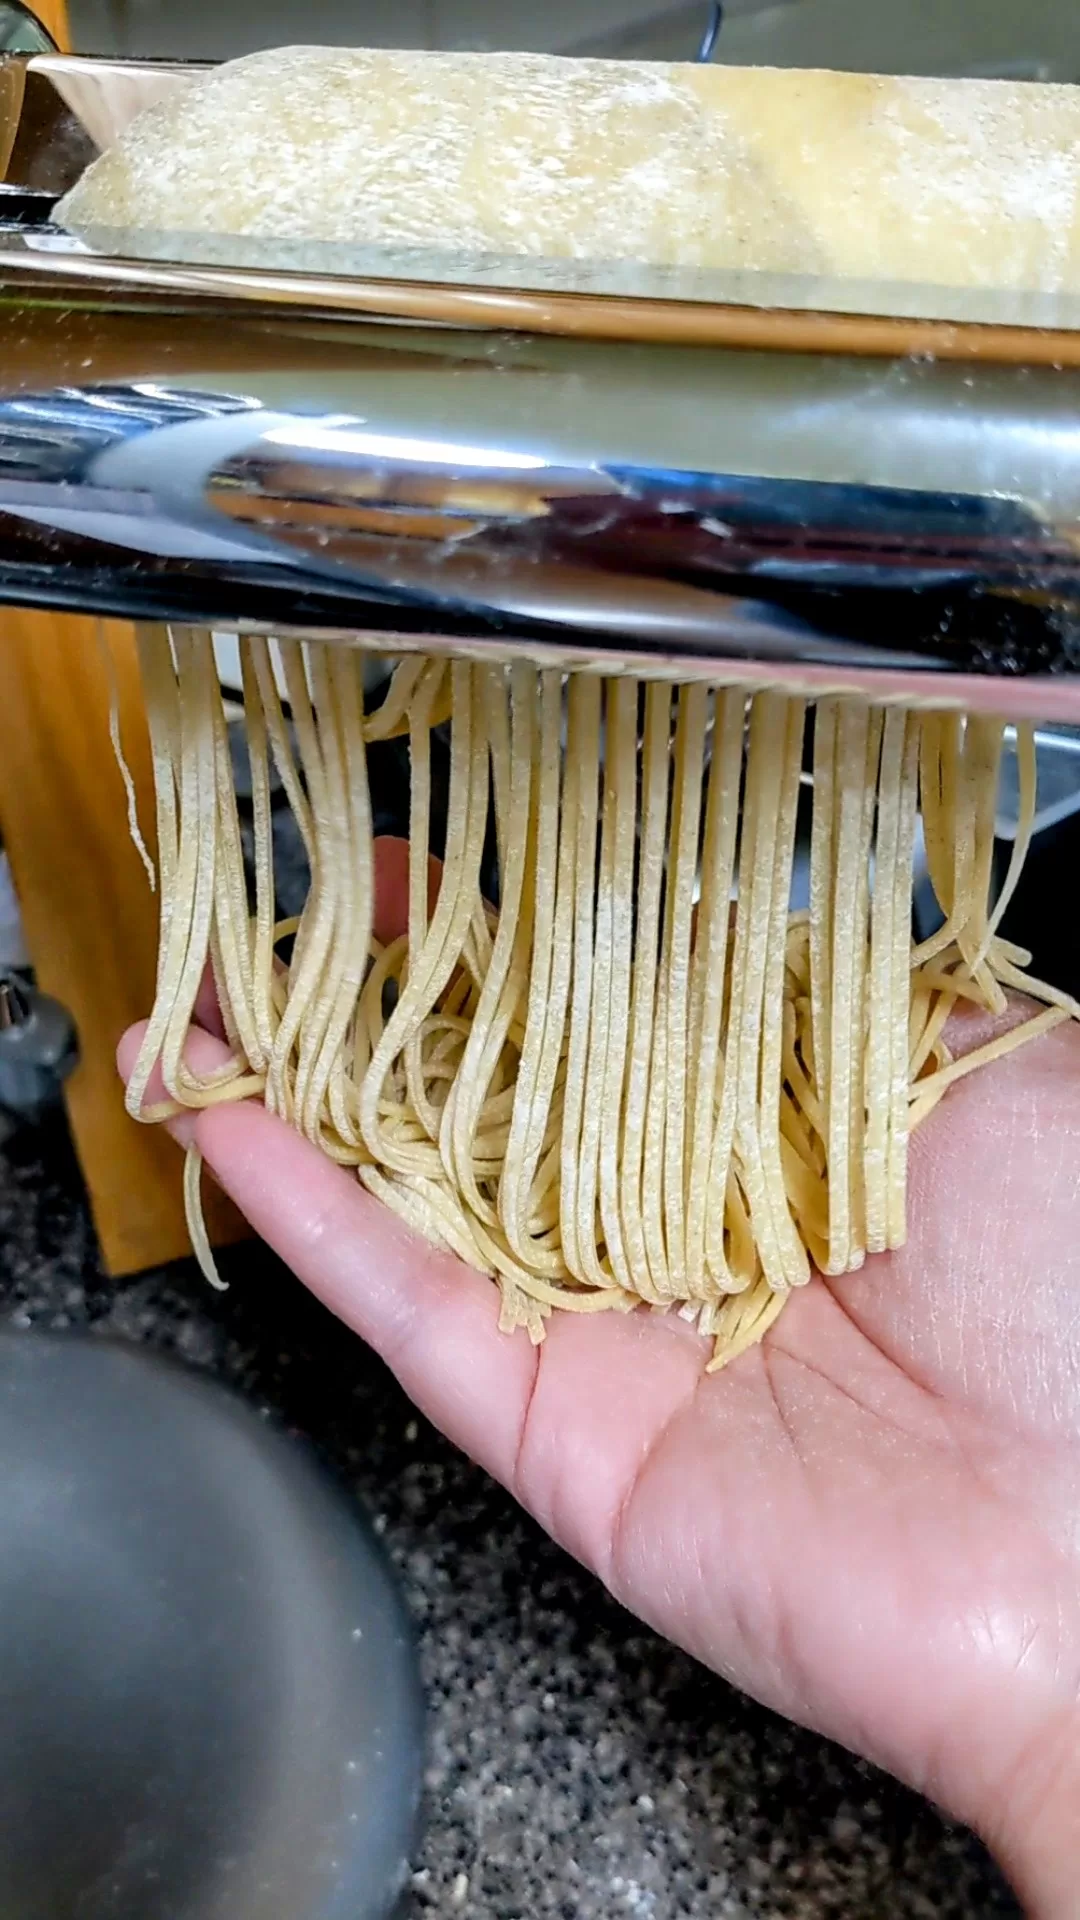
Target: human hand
(871,1522)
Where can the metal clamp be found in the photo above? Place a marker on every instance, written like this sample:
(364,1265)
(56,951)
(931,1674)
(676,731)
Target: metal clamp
(38,1049)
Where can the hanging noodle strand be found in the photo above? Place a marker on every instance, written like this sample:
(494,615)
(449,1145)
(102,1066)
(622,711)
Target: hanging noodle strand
(644,1078)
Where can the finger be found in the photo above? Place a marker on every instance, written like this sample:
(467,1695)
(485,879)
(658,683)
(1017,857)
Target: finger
(392,886)
(969,1027)
(433,1320)
(977,1305)
(204,1053)
(207,1010)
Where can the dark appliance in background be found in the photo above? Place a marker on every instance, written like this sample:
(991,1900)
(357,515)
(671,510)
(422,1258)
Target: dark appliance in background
(1044,915)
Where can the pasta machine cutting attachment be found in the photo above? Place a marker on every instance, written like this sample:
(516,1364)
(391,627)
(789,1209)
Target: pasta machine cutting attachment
(811,483)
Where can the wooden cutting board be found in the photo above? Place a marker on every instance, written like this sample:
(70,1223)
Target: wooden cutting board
(89,916)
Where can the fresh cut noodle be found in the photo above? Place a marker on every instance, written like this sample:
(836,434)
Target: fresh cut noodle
(640,1079)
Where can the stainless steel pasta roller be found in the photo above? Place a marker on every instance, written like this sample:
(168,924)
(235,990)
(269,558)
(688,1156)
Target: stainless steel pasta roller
(811,483)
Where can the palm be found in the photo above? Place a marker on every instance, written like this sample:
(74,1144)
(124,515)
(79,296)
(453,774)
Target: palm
(869,1522)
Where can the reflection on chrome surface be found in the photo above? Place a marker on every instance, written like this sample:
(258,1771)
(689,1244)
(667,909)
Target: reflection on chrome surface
(685,507)
(684,504)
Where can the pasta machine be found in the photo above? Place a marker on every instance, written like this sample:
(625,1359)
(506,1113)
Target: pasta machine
(831,486)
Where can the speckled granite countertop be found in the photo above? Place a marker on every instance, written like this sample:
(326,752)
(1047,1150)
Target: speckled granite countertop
(578,1767)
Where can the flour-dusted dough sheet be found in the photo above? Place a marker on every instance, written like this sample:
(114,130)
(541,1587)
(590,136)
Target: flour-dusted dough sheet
(954,183)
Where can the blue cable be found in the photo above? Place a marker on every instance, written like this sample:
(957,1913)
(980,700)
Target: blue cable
(712,31)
